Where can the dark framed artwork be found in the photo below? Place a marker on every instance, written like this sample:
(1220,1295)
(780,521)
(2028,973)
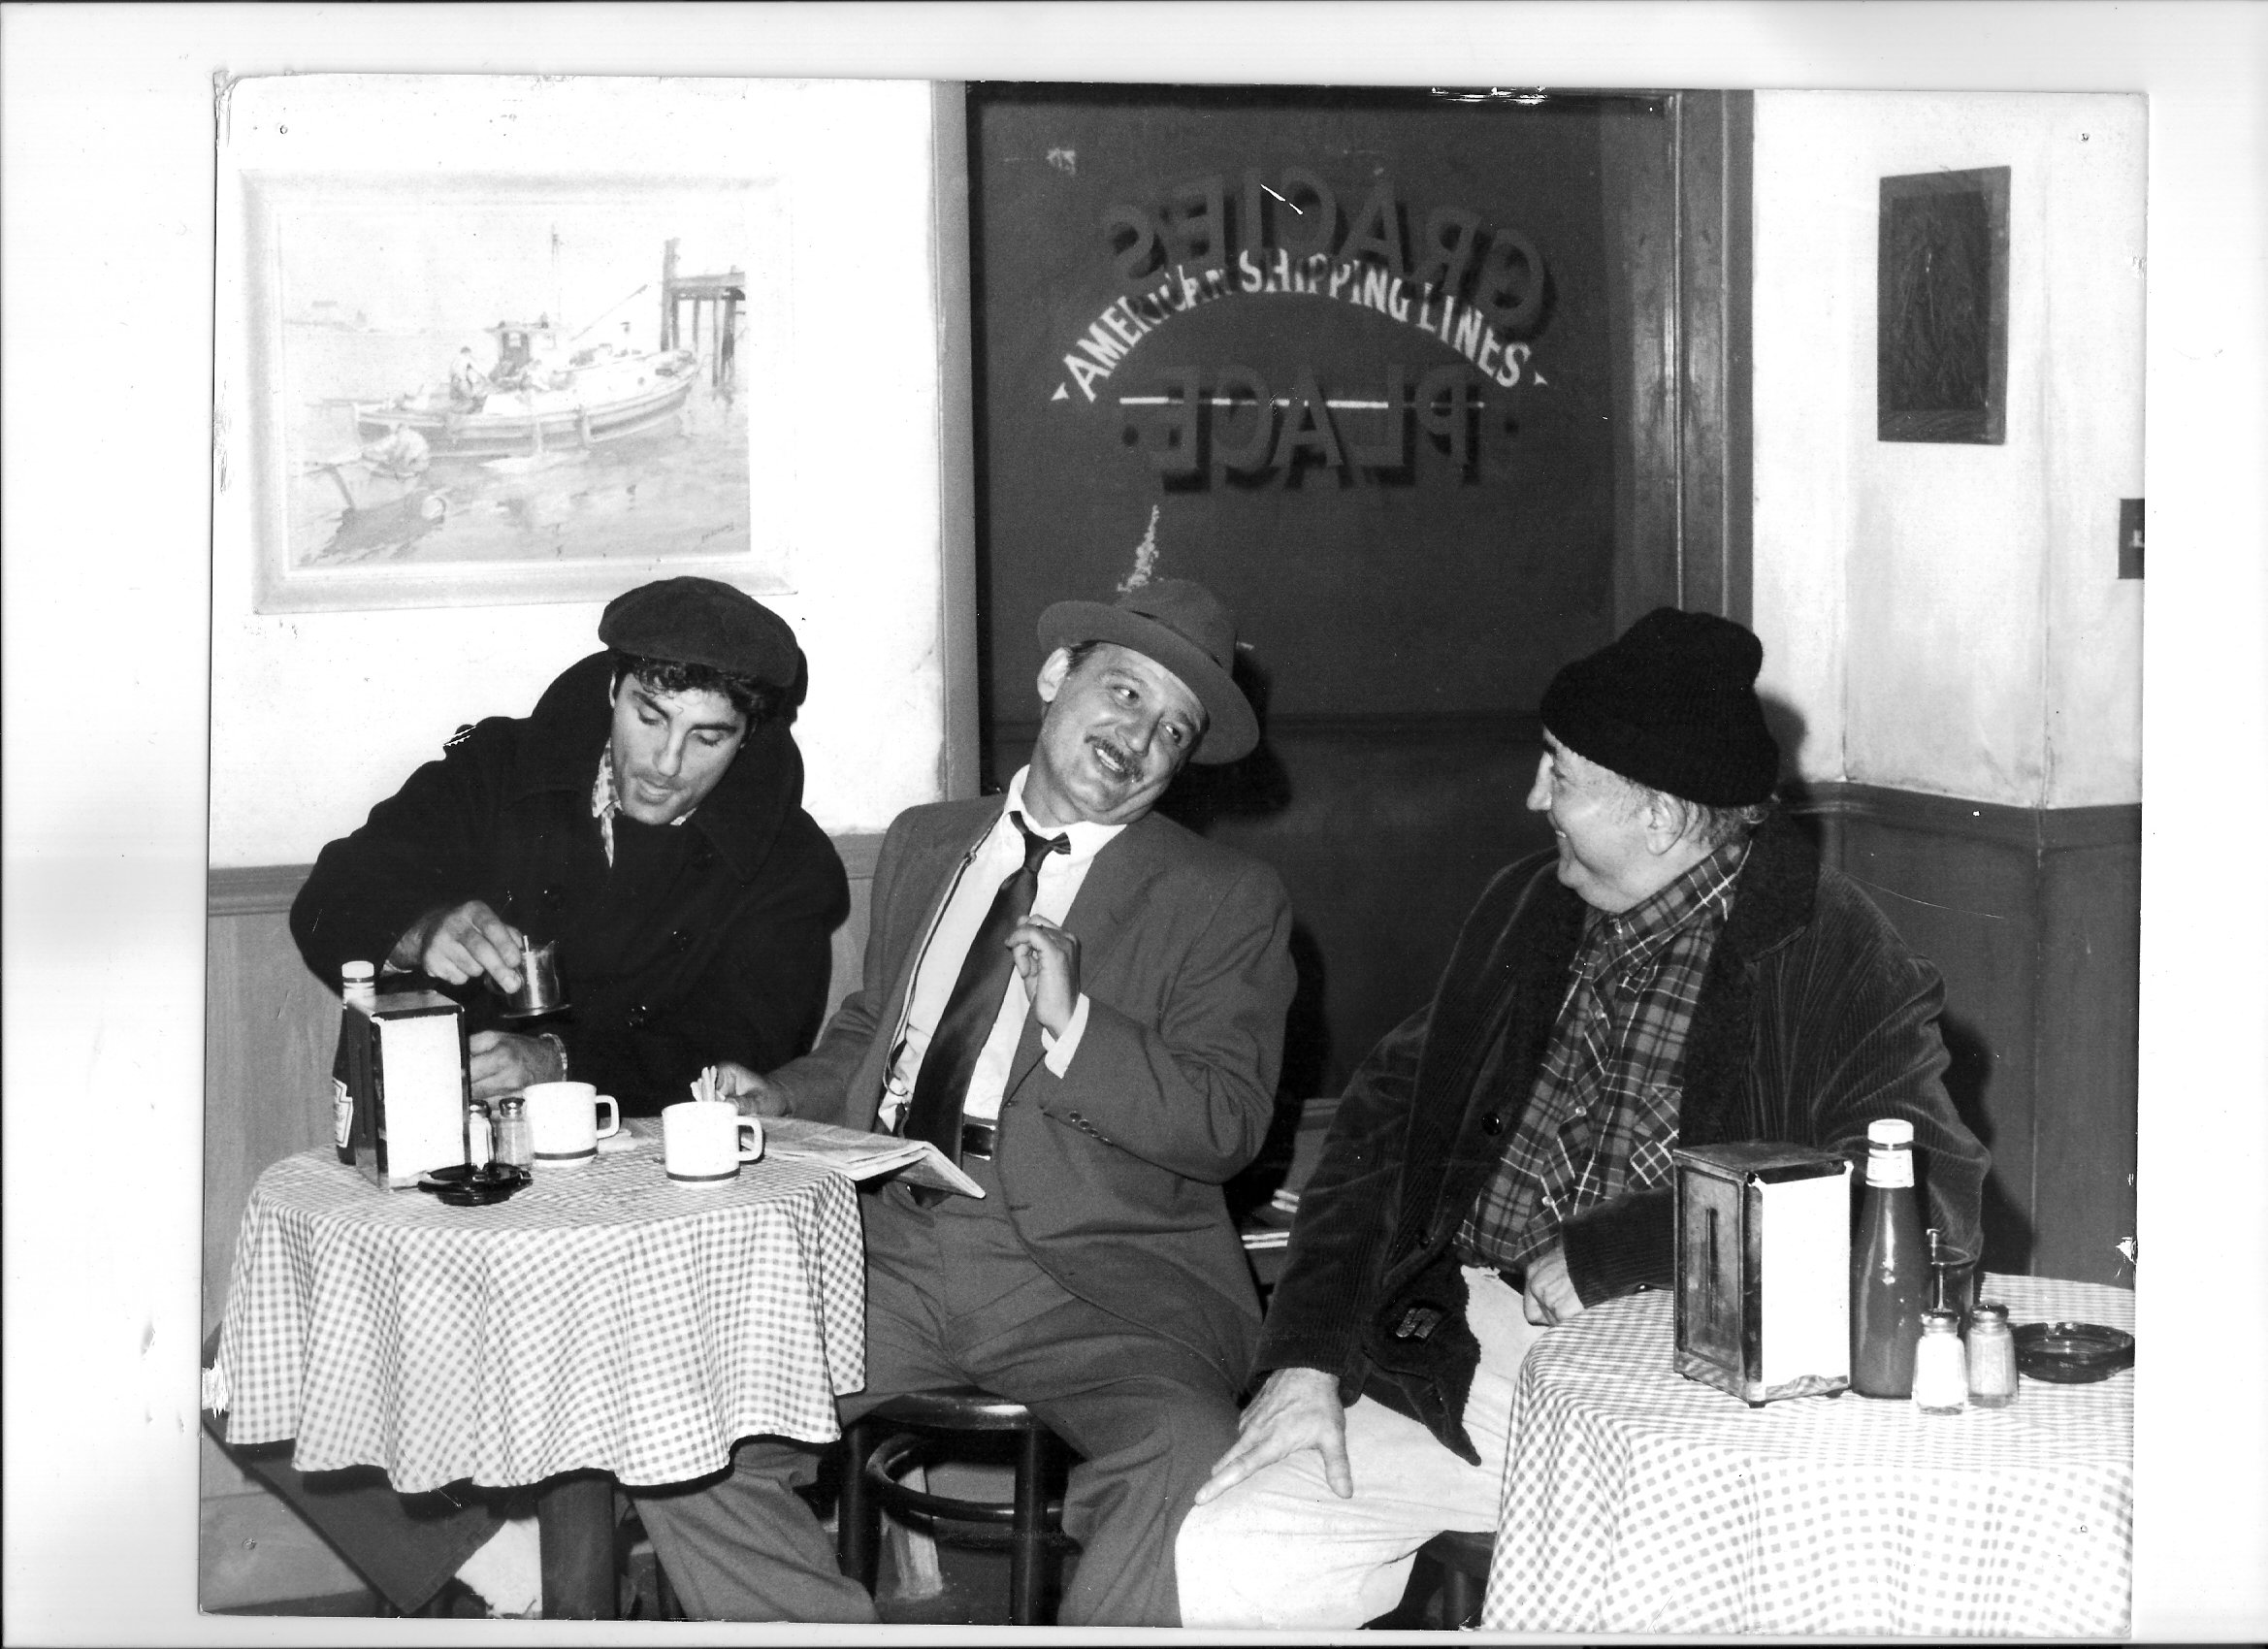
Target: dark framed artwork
(1941,315)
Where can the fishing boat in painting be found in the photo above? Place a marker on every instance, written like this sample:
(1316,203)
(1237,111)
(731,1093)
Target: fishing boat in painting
(536,397)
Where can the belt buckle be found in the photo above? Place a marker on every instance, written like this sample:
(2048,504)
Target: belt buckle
(976,1140)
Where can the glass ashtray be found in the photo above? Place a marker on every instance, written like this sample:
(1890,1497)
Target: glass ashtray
(2072,1353)
(464,1186)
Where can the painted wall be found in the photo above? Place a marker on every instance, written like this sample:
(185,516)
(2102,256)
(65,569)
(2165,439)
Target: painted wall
(315,716)
(1949,619)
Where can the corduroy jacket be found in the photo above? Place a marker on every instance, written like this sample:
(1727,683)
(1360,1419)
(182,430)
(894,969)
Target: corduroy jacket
(704,941)
(1814,1019)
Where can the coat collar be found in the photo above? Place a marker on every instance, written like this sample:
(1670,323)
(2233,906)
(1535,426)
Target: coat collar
(1777,888)
(558,750)
(1773,899)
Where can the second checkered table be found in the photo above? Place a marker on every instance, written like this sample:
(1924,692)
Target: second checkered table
(1639,1501)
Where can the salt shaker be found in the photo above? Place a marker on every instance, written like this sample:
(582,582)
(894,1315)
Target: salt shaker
(1992,1356)
(1941,1381)
(515,1139)
(478,1143)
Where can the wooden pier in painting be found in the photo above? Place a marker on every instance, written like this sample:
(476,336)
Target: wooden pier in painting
(688,300)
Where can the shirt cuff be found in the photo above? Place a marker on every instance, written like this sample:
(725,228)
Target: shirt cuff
(1060,1050)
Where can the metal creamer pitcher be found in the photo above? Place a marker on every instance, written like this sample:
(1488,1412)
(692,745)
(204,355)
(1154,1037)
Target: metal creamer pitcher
(540,990)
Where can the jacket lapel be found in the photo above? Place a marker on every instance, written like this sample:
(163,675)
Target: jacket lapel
(925,882)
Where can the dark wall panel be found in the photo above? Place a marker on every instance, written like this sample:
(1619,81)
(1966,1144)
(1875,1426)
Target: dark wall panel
(2033,919)
(2088,1062)
(1970,906)
(1455,577)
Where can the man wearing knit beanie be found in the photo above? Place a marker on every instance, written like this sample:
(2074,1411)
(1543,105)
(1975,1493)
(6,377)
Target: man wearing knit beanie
(1680,970)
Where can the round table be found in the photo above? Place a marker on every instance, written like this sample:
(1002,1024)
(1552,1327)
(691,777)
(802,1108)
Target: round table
(1639,1501)
(605,1324)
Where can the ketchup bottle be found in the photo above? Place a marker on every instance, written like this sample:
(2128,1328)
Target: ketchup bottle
(1889,1270)
(358,988)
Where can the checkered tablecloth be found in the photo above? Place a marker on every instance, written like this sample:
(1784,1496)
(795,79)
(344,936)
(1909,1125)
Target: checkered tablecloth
(1639,1501)
(605,1318)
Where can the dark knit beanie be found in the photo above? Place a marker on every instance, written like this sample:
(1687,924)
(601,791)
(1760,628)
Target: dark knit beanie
(1671,703)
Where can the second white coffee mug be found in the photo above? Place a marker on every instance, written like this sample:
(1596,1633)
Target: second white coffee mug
(563,1119)
(702,1140)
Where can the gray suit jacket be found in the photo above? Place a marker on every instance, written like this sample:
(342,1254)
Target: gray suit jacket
(1110,1174)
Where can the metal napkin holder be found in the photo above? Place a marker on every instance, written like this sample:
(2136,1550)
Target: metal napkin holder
(1764,1270)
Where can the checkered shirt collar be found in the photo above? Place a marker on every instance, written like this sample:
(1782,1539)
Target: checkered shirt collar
(606,802)
(1619,942)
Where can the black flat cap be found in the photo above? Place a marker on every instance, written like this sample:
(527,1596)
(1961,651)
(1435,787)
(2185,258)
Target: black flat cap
(700,621)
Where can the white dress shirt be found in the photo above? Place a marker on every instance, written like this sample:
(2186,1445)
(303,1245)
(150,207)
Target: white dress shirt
(998,856)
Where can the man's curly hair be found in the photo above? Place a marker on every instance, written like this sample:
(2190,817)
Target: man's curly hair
(758,702)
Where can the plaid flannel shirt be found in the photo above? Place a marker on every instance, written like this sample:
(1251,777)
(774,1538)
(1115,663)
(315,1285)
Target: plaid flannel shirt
(1603,1116)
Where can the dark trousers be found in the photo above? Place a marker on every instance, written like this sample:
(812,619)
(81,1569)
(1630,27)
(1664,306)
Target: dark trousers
(952,1298)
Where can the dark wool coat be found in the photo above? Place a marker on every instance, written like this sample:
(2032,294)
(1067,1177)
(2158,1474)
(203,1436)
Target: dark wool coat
(704,941)
(1814,1019)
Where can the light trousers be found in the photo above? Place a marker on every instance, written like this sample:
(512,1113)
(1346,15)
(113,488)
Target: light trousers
(1281,1552)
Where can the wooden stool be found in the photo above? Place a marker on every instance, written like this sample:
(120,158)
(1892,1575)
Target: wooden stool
(889,1437)
(1462,1559)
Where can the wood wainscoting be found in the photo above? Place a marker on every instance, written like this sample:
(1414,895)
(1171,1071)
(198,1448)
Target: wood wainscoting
(2034,916)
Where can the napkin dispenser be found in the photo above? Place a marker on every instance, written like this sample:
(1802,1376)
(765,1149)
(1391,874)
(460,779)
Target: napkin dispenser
(407,1072)
(1764,1270)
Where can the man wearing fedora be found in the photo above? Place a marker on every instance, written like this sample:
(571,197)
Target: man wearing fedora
(647,817)
(1679,970)
(1082,1004)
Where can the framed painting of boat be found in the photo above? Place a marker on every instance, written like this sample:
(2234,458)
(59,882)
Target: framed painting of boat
(509,389)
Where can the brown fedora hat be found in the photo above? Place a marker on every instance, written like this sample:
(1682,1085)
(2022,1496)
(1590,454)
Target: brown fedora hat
(1182,625)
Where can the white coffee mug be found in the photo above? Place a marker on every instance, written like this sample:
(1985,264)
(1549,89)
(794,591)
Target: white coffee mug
(563,1119)
(702,1140)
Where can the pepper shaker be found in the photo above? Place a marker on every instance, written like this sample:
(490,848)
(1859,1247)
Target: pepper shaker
(515,1139)
(1992,1356)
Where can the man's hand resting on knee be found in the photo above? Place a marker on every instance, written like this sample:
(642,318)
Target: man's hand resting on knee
(1297,1408)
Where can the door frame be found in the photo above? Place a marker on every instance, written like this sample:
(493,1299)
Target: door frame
(1684,508)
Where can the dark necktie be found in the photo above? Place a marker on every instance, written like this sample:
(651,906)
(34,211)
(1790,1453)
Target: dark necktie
(942,1085)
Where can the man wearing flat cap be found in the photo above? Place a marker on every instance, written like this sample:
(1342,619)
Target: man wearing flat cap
(1082,1005)
(647,817)
(1680,970)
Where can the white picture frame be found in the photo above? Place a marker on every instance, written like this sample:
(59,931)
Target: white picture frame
(601,445)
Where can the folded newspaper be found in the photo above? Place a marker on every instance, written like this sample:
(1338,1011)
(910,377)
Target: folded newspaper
(864,1156)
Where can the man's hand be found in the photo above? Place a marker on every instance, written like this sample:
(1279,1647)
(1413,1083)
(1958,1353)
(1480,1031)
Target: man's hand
(505,1062)
(1047,960)
(1297,1408)
(1550,1297)
(463,942)
(750,1094)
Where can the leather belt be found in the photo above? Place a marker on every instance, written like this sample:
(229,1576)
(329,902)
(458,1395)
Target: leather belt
(976,1139)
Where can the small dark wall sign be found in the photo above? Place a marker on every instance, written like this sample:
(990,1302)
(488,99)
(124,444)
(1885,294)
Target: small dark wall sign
(2130,537)
(1941,308)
